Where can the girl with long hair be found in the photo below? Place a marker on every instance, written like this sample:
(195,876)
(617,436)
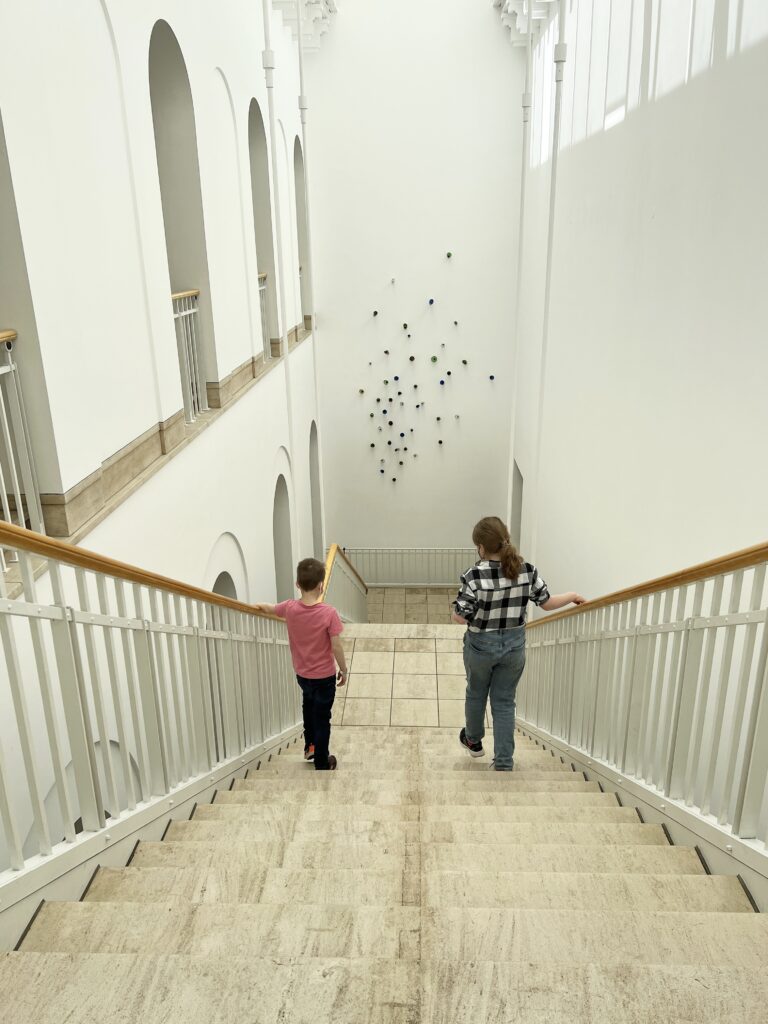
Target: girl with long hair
(492,603)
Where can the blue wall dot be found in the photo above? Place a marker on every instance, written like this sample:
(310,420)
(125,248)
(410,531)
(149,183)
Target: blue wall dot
(397,378)
(383,412)
(431,302)
(442,382)
(402,434)
(491,377)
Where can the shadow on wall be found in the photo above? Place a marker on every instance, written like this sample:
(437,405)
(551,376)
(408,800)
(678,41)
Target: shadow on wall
(281,536)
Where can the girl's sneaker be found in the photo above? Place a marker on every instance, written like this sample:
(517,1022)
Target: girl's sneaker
(475,748)
(309,752)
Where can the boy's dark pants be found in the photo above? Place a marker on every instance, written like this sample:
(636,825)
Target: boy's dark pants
(318,700)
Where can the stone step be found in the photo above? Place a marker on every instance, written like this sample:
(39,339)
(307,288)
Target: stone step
(583,891)
(528,812)
(254,829)
(354,887)
(576,834)
(604,859)
(610,937)
(340,788)
(376,768)
(215,930)
(412,812)
(50,988)
(489,833)
(390,854)
(595,993)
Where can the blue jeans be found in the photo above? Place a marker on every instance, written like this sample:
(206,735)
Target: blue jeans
(494,661)
(317,704)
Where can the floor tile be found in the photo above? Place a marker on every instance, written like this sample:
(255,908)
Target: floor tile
(377,645)
(449,664)
(414,712)
(414,663)
(451,712)
(369,684)
(451,687)
(366,712)
(449,646)
(415,686)
(372,661)
(415,646)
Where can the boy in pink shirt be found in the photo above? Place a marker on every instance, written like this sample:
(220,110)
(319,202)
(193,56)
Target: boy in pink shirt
(314,633)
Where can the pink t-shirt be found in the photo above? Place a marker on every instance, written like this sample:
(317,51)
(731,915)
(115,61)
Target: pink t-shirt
(310,628)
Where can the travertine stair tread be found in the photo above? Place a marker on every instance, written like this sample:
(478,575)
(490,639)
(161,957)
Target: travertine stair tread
(579,936)
(597,993)
(216,930)
(261,884)
(614,859)
(583,891)
(366,854)
(339,786)
(392,769)
(476,888)
(529,812)
(49,988)
(563,798)
(415,832)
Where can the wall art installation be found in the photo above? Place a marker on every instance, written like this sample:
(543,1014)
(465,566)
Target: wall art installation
(438,371)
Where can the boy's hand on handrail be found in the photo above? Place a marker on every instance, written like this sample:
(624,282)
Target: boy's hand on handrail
(265,609)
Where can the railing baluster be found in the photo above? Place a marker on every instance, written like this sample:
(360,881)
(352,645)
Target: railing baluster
(131,674)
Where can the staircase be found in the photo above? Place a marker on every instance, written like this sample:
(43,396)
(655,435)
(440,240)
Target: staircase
(410,886)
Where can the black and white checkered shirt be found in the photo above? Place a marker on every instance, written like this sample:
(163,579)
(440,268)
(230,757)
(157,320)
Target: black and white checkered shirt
(488,600)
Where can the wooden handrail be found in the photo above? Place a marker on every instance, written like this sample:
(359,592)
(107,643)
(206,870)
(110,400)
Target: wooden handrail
(58,550)
(7,336)
(336,552)
(191,294)
(743,559)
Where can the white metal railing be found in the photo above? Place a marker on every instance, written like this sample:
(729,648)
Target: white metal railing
(344,588)
(263,298)
(411,567)
(117,688)
(668,685)
(19,491)
(193,386)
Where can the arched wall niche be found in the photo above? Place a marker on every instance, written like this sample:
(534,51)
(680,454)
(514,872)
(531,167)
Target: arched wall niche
(261,195)
(288,231)
(302,233)
(226,562)
(178,168)
(281,537)
(315,493)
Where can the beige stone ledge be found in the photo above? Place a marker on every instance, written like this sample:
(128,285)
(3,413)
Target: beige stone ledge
(79,510)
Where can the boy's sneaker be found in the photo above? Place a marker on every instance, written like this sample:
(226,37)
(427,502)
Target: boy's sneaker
(475,748)
(332,764)
(309,752)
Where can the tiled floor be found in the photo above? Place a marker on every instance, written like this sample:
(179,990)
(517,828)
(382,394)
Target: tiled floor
(403,681)
(410,604)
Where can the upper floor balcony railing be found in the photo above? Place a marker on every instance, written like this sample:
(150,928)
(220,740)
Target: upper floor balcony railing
(187,321)
(263,299)
(19,492)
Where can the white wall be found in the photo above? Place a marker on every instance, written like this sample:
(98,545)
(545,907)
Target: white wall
(414,127)
(74,95)
(655,415)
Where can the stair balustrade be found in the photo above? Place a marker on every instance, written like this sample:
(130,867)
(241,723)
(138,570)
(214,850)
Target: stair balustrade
(19,491)
(667,684)
(120,688)
(411,567)
(187,321)
(344,587)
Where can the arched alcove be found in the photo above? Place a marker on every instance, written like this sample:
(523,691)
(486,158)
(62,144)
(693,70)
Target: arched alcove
(17,314)
(178,169)
(314,493)
(262,224)
(281,536)
(224,585)
(299,183)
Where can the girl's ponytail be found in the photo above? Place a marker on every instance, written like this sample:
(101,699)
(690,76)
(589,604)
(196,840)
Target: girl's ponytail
(493,535)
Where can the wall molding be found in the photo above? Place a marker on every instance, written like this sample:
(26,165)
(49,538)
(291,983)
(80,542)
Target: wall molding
(73,514)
